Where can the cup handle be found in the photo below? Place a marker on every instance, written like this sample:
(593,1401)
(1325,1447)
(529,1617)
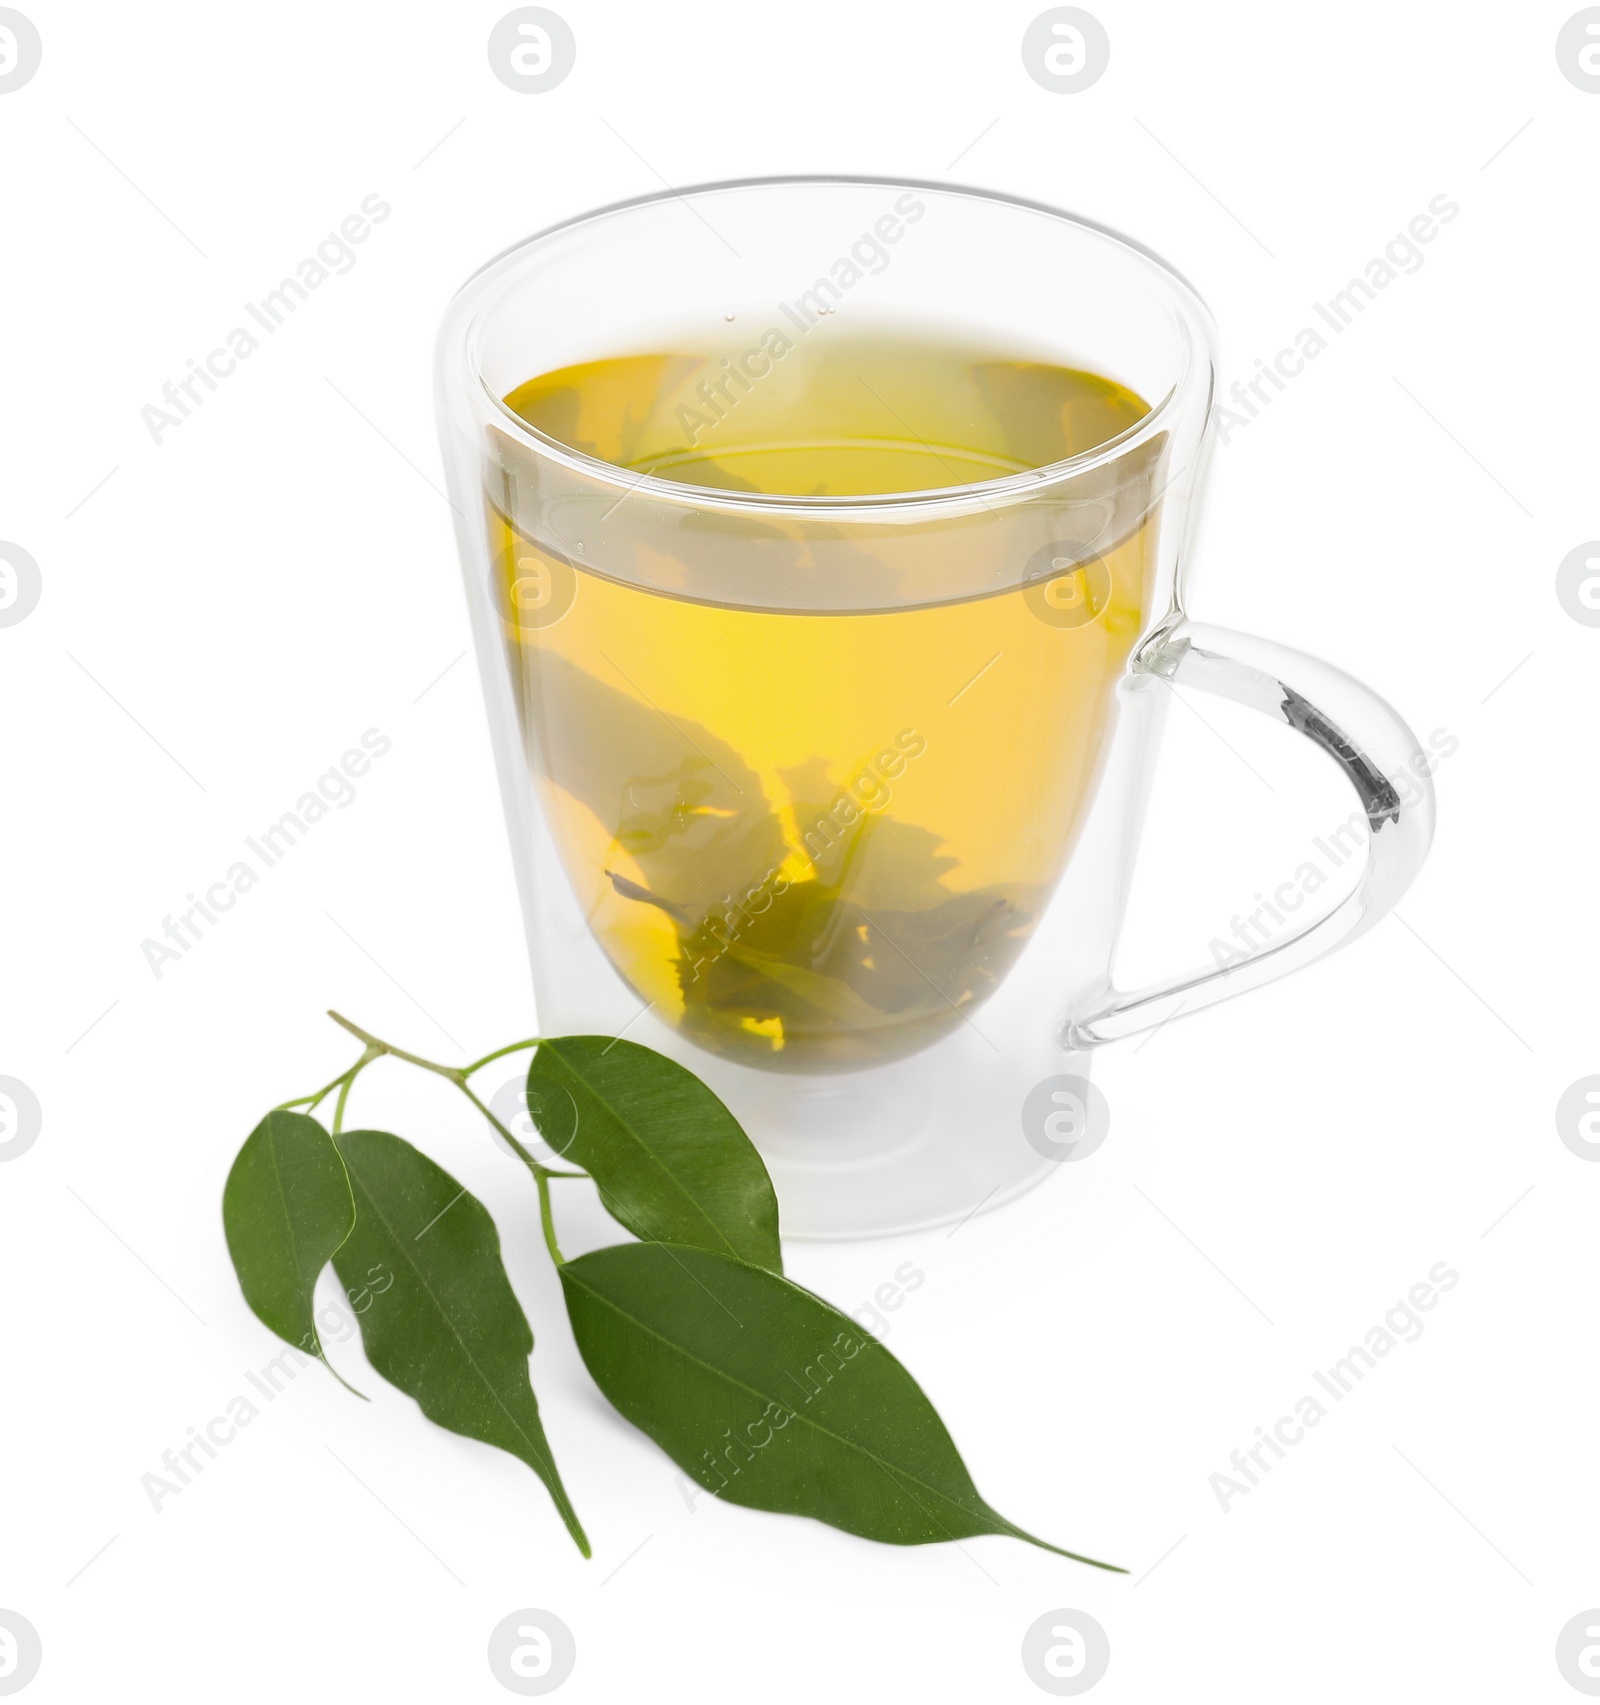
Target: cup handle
(1369,742)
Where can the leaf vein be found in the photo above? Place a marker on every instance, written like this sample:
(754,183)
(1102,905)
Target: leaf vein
(897,1474)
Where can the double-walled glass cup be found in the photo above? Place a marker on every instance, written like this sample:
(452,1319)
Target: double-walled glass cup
(834,797)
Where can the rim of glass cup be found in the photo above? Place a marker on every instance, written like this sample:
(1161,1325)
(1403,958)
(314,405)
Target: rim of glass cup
(1197,330)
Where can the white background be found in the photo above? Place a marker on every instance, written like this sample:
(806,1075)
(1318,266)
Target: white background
(230,609)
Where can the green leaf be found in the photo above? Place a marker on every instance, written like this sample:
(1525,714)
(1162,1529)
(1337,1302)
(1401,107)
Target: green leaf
(441,1320)
(771,1398)
(671,1162)
(285,1209)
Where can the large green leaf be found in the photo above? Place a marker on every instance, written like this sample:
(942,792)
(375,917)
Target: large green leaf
(671,1162)
(771,1398)
(442,1322)
(285,1209)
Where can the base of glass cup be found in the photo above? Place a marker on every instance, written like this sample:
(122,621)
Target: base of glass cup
(932,1140)
(818,1203)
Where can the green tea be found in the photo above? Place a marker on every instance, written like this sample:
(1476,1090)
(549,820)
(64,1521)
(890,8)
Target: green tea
(816,840)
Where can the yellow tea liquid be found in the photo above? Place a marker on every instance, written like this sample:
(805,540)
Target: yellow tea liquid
(816,841)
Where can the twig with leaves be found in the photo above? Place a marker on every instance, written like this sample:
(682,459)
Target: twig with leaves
(766,1394)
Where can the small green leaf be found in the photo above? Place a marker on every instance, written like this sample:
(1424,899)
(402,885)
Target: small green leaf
(771,1398)
(440,1318)
(285,1209)
(671,1162)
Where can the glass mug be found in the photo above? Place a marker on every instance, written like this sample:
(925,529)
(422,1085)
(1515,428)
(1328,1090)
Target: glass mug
(834,798)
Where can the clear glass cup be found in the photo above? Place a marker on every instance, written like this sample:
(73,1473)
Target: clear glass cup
(886,937)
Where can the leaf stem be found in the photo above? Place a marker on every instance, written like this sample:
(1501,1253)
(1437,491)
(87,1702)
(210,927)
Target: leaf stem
(500,1053)
(344,1096)
(458,1075)
(344,1083)
(547,1222)
(453,1072)
(310,1101)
